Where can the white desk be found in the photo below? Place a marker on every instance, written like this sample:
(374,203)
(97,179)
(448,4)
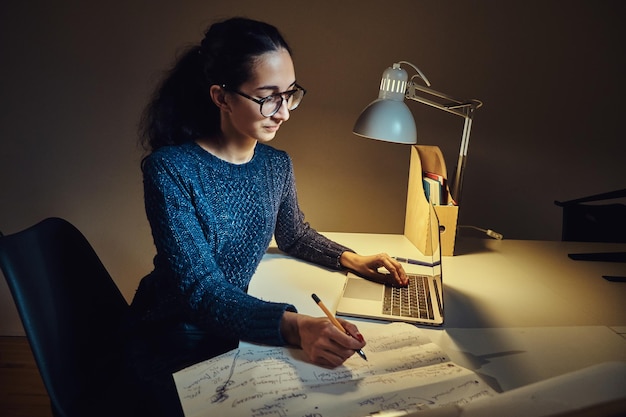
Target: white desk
(517,312)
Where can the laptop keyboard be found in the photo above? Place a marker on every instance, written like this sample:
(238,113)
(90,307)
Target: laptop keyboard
(411,301)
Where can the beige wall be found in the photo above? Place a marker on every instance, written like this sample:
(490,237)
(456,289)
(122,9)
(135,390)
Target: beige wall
(74,77)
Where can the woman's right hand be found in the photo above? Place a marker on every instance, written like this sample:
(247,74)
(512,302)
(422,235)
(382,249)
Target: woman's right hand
(321,341)
(367,266)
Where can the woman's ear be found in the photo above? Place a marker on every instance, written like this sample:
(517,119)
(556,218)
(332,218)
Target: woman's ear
(218,95)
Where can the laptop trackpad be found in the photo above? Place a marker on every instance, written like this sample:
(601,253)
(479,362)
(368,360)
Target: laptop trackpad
(363,289)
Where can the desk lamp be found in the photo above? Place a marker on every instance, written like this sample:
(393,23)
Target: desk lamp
(389,119)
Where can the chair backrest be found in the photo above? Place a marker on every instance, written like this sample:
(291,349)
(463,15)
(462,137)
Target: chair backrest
(594,222)
(71,310)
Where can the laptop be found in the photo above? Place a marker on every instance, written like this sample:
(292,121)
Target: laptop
(419,303)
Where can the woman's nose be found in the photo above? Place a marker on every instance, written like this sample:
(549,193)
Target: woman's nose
(282,113)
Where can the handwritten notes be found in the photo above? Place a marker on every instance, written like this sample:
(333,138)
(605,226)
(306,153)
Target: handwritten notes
(404,371)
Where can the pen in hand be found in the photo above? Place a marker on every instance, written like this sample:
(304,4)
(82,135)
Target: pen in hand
(338,325)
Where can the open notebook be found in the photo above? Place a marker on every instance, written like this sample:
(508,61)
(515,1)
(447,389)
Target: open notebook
(421,302)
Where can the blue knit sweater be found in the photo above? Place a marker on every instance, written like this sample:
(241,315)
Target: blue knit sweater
(212,221)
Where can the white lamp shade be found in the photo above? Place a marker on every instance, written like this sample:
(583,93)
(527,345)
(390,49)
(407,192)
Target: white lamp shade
(387,120)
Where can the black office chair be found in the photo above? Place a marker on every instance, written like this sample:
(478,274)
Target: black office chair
(73,314)
(594,222)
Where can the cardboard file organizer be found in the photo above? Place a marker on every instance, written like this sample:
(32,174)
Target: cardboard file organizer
(418,209)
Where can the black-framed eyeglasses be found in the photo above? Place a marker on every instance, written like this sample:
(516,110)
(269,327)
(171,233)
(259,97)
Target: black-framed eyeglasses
(270,105)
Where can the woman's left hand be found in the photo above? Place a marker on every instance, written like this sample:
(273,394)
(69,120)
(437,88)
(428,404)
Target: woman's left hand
(367,266)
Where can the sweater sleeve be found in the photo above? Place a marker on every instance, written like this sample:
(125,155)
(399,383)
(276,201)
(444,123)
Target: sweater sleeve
(296,237)
(201,291)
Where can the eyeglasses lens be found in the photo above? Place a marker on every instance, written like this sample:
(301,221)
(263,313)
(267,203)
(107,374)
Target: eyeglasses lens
(272,104)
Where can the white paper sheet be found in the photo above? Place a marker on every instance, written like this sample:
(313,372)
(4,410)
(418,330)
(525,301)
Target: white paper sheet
(404,371)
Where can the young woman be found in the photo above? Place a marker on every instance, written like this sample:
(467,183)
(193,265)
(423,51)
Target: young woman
(215,194)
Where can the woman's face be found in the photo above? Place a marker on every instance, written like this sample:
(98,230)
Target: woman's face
(273,72)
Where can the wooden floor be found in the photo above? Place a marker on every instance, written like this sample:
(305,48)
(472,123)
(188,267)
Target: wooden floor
(22,393)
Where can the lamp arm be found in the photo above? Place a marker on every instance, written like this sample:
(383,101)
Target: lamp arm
(452,107)
(464,109)
(457,185)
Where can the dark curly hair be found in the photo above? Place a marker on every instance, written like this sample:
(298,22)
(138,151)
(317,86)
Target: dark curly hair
(181,109)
